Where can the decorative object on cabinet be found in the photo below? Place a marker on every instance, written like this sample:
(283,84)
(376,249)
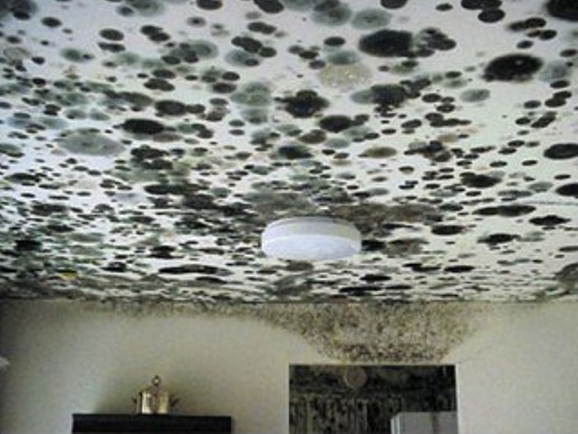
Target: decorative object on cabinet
(149,424)
(154,399)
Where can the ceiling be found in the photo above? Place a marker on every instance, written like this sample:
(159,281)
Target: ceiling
(145,145)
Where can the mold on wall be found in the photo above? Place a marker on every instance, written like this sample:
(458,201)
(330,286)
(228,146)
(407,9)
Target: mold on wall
(351,332)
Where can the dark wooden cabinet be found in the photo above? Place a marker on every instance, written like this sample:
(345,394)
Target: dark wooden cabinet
(149,424)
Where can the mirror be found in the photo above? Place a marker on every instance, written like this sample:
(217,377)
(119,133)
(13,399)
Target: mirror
(371,399)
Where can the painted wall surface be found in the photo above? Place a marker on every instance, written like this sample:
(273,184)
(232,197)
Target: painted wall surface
(517,374)
(64,362)
(520,373)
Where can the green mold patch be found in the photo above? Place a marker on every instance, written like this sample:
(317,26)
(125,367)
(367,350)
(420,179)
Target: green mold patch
(91,143)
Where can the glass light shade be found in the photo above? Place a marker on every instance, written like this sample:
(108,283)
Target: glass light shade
(310,239)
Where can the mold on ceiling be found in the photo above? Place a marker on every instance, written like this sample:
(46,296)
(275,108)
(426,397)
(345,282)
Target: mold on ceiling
(145,144)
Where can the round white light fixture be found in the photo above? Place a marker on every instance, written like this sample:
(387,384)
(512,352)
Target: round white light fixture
(310,239)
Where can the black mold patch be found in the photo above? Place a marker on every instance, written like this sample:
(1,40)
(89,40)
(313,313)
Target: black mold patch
(3,269)
(240,58)
(421,268)
(385,97)
(434,151)
(379,152)
(430,40)
(199,202)
(372,245)
(23,178)
(51,22)
(506,210)
(115,267)
(549,220)
(568,190)
(143,126)
(269,6)
(176,189)
(568,249)
(210,5)
(171,108)
(112,34)
(162,252)
(479,180)
(386,43)
(313,137)
(192,52)
(562,151)
(393,4)
(359,290)
(196,269)
(498,238)
(405,246)
(491,15)
(20,9)
(568,275)
(512,67)
(373,278)
(11,150)
(146,8)
(210,280)
(299,266)
(27,245)
(459,269)
(447,229)
(294,152)
(564,9)
(336,123)
(48,209)
(305,104)
(331,13)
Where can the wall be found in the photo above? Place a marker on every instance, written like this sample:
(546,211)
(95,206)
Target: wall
(65,361)
(520,373)
(517,374)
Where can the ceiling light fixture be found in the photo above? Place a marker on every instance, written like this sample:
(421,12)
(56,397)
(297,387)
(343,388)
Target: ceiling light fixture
(310,239)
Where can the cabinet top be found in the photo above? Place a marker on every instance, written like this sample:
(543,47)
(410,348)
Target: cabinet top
(149,423)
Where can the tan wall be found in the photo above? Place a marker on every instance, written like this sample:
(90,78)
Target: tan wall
(518,374)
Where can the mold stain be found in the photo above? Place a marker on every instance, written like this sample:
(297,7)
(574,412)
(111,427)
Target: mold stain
(143,126)
(89,143)
(368,19)
(305,104)
(563,9)
(183,128)
(331,13)
(562,151)
(512,68)
(379,152)
(386,43)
